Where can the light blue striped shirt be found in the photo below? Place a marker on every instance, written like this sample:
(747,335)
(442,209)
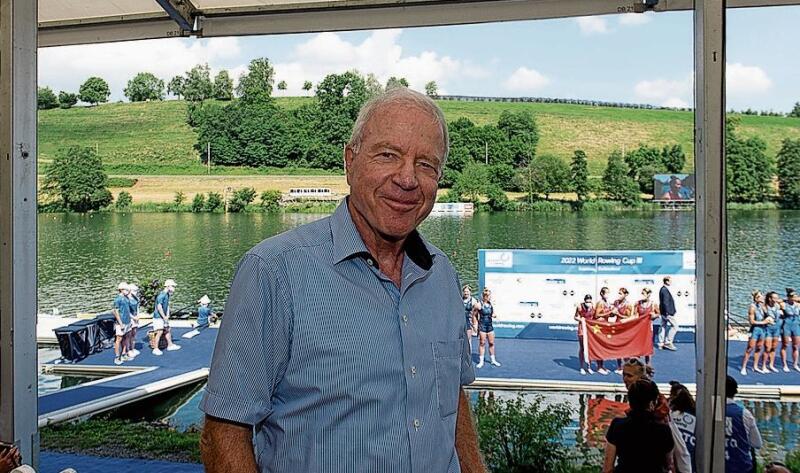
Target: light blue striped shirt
(337,368)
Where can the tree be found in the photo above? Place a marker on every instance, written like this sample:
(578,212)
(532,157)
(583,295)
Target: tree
(67,99)
(546,174)
(307,85)
(524,434)
(180,198)
(396,82)
(214,202)
(241,198)
(282,85)
(617,183)
(522,132)
(223,86)
(46,99)
(198,86)
(144,86)
(788,172)
(124,200)
(94,91)
(76,179)
(795,113)
(198,202)
(580,175)
(643,163)
(471,184)
(373,85)
(673,158)
(271,200)
(431,89)
(749,170)
(256,83)
(175,86)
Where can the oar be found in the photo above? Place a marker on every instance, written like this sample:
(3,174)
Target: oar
(181,310)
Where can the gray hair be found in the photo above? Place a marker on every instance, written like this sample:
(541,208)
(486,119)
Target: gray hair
(394,95)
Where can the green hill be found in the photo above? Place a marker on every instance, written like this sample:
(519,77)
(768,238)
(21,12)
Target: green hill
(153,137)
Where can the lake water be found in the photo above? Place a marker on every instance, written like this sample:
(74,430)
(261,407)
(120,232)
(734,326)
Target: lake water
(83,257)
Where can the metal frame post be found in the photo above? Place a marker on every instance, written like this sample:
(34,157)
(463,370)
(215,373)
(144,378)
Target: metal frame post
(710,233)
(18,232)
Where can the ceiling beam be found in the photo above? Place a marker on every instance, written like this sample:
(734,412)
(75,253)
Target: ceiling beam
(182,12)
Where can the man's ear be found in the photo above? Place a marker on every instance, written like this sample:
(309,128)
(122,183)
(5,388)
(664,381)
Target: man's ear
(349,155)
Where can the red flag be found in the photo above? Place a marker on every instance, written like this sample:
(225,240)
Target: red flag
(599,414)
(610,340)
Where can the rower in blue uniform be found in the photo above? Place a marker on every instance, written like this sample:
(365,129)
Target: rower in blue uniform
(204,313)
(122,314)
(791,328)
(757,317)
(161,318)
(774,310)
(133,300)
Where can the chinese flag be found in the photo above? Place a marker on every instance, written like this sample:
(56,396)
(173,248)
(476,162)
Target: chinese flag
(610,340)
(599,414)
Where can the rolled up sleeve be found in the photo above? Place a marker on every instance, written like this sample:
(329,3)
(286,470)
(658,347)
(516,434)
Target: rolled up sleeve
(253,344)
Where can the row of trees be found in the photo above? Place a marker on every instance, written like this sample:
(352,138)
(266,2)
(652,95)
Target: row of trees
(95,90)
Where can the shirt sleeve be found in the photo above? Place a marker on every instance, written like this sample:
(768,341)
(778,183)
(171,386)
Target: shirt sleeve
(467,370)
(612,434)
(253,344)
(753,433)
(683,459)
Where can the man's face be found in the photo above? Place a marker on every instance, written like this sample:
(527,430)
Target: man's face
(667,282)
(170,289)
(395,174)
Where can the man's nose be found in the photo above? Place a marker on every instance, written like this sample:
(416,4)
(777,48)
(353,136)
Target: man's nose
(406,175)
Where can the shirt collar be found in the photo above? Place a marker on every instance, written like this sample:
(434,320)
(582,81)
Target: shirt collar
(347,242)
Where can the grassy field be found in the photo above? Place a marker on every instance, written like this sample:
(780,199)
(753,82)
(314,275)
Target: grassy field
(153,138)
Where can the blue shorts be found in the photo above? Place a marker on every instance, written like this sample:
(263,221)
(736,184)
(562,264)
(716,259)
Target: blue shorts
(758,333)
(485,327)
(774,330)
(791,328)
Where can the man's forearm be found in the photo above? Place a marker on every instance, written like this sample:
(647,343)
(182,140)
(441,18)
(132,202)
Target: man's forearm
(467,448)
(226,447)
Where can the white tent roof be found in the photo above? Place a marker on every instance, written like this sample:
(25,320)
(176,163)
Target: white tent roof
(63,22)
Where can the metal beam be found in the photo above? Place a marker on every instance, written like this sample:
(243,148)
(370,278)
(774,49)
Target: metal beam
(18,373)
(710,233)
(181,11)
(109,33)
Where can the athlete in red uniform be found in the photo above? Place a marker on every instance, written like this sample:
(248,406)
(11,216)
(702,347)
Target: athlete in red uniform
(585,312)
(603,310)
(645,307)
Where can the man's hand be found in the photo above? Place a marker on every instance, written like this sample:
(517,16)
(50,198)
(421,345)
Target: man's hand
(9,459)
(227,446)
(469,453)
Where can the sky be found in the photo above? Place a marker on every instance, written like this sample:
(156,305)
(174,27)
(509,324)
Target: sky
(634,58)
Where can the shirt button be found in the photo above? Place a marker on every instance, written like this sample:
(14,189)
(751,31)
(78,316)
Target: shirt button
(413,371)
(405,319)
(417,423)
(370,262)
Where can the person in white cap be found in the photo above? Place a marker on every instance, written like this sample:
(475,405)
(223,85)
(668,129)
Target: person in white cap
(204,313)
(161,318)
(122,314)
(133,300)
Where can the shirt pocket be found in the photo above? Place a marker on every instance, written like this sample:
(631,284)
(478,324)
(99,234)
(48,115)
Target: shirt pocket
(447,361)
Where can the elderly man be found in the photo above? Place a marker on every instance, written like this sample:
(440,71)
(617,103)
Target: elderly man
(342,348)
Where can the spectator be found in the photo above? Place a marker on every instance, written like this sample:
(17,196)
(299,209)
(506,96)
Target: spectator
(639,442)
(683,416)
(741,433)
(776,467)
(633,371)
